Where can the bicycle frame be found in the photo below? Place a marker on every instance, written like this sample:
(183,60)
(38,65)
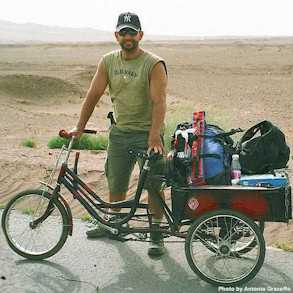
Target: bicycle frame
(93,203)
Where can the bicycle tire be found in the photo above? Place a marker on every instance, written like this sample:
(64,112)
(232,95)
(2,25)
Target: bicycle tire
(217,281)
(57,205)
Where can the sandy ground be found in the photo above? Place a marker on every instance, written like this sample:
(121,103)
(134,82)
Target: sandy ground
(238,83)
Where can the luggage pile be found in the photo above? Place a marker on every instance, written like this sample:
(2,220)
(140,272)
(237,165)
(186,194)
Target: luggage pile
(205,154)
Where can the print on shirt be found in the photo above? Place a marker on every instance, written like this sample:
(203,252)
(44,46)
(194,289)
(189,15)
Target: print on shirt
(126,72)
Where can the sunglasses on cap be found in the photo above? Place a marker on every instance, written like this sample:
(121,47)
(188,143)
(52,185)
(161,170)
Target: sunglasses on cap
(127,31)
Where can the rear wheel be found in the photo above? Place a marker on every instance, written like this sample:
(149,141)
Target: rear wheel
(213,256)
(30,239)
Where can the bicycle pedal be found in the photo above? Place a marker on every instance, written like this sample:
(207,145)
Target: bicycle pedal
(140,236)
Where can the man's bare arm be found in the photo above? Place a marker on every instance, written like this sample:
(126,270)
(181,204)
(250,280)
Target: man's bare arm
(94,93)
(158,86)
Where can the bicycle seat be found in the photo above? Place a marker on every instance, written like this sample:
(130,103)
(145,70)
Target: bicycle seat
(141,153)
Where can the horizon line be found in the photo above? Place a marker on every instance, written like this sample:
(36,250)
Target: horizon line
(220,36)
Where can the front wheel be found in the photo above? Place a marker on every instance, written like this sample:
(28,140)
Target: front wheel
(28,232)
(220,264)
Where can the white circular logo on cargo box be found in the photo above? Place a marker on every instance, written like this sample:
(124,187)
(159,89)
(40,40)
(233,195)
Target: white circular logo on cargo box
(193,203)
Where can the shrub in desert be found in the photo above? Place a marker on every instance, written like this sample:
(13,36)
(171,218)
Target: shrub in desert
(29,142)
(85,142)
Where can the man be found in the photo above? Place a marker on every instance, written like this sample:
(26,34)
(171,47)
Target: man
(137,82)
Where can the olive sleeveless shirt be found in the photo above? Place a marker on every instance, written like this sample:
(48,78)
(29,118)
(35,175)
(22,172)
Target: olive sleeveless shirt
(129,88)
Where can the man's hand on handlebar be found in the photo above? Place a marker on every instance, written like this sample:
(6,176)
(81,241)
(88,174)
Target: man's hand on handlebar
(155,144)
(76,132)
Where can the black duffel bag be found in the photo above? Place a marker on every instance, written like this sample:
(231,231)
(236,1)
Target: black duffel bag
(262,149)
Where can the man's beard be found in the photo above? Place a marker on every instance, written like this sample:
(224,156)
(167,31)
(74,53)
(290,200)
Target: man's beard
(130,48)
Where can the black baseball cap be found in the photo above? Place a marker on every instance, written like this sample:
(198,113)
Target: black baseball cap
(128,19)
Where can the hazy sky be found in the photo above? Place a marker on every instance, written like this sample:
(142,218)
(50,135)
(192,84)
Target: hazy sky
(189,17)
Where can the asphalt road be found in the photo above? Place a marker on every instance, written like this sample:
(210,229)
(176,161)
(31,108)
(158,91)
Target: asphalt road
(110,266)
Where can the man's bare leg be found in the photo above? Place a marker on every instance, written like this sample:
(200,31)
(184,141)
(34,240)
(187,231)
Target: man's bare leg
(99,231)
(117,197)
(155,208)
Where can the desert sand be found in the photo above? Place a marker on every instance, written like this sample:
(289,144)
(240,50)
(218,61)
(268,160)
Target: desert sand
(238,83)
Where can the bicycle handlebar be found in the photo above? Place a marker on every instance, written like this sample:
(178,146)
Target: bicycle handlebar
(63,133)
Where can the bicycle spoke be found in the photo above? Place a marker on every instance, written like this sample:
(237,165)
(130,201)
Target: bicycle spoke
(204,241)
(224,259)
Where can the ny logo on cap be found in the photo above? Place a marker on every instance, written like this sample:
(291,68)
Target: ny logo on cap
(127,18)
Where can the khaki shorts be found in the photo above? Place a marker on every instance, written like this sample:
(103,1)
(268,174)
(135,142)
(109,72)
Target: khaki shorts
(119,164)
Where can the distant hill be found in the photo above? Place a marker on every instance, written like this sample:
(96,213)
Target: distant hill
(11,33)
(15,33)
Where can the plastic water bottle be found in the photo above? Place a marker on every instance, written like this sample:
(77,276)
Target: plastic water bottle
(235,169)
